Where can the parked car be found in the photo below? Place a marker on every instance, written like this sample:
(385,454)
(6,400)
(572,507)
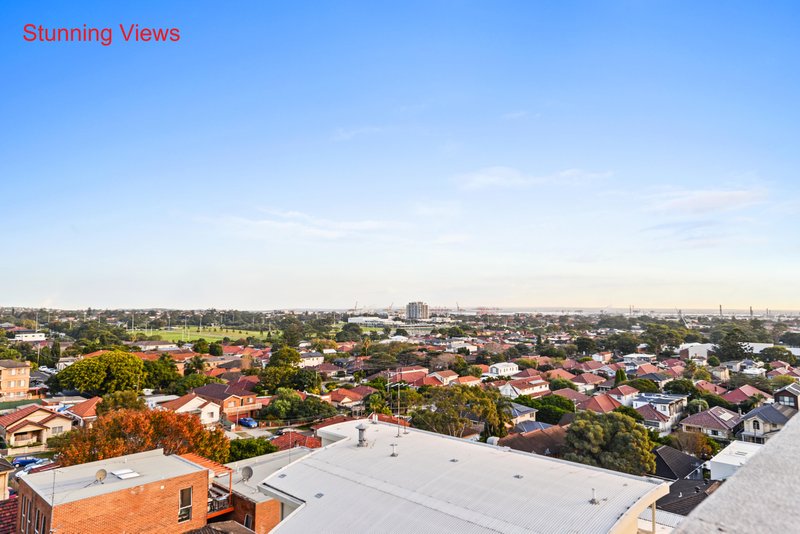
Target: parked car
(27,469)
(248,422)
(24,461)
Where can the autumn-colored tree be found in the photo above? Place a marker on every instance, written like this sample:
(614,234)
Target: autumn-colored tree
(696,444)
(122,432)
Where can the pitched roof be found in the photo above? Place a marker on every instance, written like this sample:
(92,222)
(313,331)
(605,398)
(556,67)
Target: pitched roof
(651,414)
(8,364)
(180,402)
(588,378)
(87,408)
(571,394)
(673,464)
(517,410)
(14,417)
(685,495)
(776,414)
(290,440)
(623,390)
(527,373)
(793,388)
(599,404)
(530,426)
(559,373)
(715,418)
(547,441)
(709,387)
(744,393)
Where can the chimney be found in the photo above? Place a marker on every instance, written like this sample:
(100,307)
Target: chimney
(362,439)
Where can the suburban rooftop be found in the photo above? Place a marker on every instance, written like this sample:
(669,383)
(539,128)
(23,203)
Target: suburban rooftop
(67,484)
(440,483)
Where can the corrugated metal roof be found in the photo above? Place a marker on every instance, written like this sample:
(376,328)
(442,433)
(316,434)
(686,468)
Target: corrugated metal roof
(487,489)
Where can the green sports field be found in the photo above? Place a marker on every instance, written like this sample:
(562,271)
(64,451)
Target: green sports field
(209,334)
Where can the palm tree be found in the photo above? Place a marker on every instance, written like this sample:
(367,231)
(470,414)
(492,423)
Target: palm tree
(195,365)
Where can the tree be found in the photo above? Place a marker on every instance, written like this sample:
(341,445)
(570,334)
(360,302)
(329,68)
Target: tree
(782,381)
(196,364)
(696,444)
(215,349)
(452,407)
(285,357)
(201,346)
(701,374)
(774,354)
(713,361)
(349,332)
(187,383)
(612,441)
(585,345)
(550,408)
(401,332)
(732,346)
(160,373)
(697,406)
(120,400)
(242,449)
(122,432)
(109,372)
(630,412)
(682,386)
(561,383)
(643,385)
(620,376)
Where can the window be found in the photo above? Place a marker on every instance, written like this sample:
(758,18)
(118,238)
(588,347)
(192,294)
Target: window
(57,430)
(248,521)
(185,510)
(756,425)
(36,522)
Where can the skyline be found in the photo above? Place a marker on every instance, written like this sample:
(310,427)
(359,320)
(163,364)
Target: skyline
(570,155)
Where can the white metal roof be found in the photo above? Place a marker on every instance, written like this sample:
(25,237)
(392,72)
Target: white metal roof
(486,489)
(737,453)
(77,482)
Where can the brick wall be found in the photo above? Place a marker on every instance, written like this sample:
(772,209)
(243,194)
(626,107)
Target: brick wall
(266,515)
(147,509)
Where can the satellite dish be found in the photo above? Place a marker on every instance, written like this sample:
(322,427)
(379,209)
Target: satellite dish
(247,473)
(100,476)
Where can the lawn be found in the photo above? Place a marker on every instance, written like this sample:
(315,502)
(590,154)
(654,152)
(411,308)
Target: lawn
(209,334)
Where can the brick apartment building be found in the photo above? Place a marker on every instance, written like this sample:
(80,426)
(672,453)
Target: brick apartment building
(147,493)
(14,380)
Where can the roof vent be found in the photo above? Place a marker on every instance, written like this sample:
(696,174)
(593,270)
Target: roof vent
(454,460)
(594,500)
(517,476)
(394,450)
(247,473)
(362,439)
(319,495)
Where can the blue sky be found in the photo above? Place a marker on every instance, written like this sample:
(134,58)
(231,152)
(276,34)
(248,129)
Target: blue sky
(302,154)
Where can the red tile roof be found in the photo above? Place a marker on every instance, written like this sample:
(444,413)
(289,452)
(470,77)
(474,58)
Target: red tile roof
(623,390)
(651,414)
(744,393)
(87,408)
(19,415)
(290,440)
(588,378)
(711,388)
(600,404)
(559,373)
(8,515)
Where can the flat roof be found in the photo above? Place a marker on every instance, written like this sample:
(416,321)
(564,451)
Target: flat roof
(440,483)
(737,453)
(263,467)
(77,482)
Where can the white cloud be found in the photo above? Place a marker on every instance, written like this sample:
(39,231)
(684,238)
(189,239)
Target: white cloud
(510,178)
(295,224)
(708,200)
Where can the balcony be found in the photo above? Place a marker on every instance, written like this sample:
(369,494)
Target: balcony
(219,491)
